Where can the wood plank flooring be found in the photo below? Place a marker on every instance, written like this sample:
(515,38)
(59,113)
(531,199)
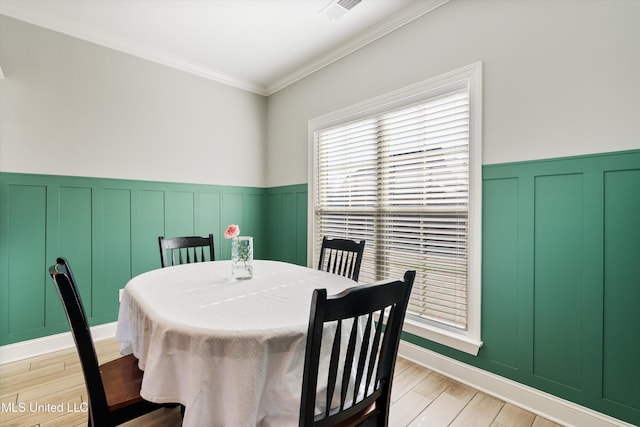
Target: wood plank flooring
(49,391)
(421,397)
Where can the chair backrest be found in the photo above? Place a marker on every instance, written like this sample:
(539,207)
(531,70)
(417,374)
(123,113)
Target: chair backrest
(185,250)
(341,256)
(360,374)
(68,291)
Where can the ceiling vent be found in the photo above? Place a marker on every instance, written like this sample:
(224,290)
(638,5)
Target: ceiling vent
(337,8)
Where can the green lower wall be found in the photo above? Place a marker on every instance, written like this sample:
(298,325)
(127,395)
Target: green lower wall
(108,230)
(286,223)
(560,279)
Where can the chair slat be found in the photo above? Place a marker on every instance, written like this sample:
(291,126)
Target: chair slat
(363,356)
(349,262)
(341,256)
(333,366)
(382,371)
(348,363)
(186,248)
(341,271)
(374,349)
(374,346)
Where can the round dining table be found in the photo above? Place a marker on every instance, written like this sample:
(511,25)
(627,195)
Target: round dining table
(231,351)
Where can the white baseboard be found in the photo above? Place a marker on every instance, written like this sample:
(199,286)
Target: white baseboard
(538,402)
(38,346)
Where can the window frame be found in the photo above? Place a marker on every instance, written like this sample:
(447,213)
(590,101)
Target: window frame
(469,340)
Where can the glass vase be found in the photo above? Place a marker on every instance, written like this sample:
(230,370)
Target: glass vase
(242,257)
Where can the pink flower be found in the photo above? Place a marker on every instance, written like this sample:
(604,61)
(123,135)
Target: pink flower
(232,231)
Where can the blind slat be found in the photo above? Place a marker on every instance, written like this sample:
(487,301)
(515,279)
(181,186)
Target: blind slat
(400,180)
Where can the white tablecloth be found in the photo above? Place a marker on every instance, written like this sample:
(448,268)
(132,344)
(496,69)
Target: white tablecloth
(231,351)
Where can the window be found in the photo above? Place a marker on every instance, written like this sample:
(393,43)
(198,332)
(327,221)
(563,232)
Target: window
(403,172)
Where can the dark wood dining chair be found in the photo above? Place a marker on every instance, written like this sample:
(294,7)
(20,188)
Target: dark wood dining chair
(341,256)
(358,379)
(188,249)
(114,387)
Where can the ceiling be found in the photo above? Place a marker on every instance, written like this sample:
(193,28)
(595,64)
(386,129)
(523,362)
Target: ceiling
(257,45)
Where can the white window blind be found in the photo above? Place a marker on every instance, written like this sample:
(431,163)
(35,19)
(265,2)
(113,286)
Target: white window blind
(400,180)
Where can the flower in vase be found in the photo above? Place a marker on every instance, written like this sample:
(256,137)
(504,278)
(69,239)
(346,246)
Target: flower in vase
(240,250)
(232,231)
(241,253)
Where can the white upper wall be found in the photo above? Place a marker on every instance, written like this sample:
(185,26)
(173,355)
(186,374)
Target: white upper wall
(69,107)
(560,78)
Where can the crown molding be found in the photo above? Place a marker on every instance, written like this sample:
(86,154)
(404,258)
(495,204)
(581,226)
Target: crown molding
(15,9)
(373,33)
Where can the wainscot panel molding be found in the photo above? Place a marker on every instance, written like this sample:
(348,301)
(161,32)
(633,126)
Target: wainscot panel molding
(561,280)
(108,230)
(286,222)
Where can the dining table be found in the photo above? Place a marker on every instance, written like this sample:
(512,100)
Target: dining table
(231,351)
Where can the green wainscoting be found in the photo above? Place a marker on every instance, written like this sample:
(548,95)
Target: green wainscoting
(287,223)
(108,229)
(561,279)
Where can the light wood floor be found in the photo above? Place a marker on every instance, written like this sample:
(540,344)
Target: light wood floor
(420,397)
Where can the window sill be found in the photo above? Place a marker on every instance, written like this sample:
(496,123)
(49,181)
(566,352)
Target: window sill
(450,339)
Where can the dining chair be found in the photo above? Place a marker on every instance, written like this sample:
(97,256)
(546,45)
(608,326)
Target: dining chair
(188,249)
(341,256)
(114,387)
(354,385)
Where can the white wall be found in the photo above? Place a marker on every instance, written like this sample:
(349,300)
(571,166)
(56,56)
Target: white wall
(69,107)
(561,78)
